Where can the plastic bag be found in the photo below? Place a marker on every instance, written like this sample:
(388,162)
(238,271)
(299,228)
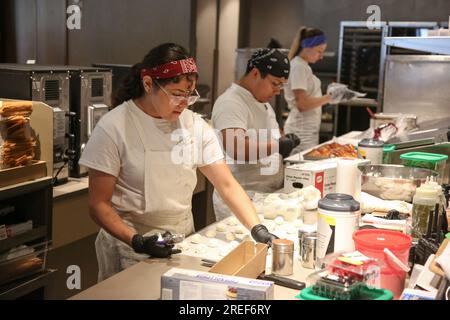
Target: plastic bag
(341,93)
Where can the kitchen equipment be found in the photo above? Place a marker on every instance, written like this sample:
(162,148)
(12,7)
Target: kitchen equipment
(307,241)
(282,257)
(393,182)
(49,84)
(90,99)
(119,73)
(417,84)
(23,261)
(339,216)
(282,281)
(372,150)
(432,161)
(373,242)
(382,118)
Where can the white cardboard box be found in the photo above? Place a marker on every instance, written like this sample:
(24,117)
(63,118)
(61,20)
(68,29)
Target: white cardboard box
(186,284)
(319,174)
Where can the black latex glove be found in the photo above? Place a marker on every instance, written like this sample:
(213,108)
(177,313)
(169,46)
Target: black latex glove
(261,234)
(287,143)
(150,246)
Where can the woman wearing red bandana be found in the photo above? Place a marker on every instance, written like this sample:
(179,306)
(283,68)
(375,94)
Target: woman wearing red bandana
(303,91)
(142,159)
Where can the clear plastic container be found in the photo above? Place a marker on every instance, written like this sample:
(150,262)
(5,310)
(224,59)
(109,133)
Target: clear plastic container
(344,276)
(432,161)
(23,261)
(388,150)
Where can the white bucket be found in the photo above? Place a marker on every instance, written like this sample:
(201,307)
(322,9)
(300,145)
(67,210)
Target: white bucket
(335,230)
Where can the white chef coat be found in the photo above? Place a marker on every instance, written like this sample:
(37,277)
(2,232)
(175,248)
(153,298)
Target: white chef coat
(238,108)
(154,187)
(306,125)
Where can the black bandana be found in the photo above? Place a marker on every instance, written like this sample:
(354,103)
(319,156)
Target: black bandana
(270,61)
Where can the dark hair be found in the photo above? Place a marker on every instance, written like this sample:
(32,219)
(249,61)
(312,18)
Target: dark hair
(302,34)
(132,87)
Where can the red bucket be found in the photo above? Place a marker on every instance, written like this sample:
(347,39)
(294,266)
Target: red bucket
(372,242)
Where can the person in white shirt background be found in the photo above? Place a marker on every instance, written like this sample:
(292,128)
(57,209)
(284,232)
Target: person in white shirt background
(139,186)
(303,91)
(242,114)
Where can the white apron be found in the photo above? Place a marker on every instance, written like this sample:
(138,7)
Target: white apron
(250,178)
(168,200)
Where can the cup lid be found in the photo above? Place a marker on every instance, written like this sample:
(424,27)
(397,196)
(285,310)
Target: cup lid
(379,239)
(282,245)
(339,202)
(371,143)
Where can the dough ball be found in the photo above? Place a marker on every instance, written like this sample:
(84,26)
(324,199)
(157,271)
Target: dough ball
(279,220)
(221,227)
(211,233)
(213,243)
(196,238)
(271,198)
(261,217)
(230,236)
(240,230)
(233,221)
(241,236)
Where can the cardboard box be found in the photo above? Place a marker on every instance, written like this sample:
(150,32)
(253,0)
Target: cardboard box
(319,174)
(185,284)
(11,176)
(246,260)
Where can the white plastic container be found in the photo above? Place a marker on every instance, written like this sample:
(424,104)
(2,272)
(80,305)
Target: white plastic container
(372,150)
(339,216)
(348,177)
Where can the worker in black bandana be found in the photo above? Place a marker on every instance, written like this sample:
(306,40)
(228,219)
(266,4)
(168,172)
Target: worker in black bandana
(250,134)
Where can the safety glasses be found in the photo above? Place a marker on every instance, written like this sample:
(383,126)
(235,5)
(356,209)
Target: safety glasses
(177,100)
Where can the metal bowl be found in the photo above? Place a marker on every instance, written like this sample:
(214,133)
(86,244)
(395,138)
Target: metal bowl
(393,182)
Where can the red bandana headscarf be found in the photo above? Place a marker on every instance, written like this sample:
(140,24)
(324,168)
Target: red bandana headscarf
(171,69)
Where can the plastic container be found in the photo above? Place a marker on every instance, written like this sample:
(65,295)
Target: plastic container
(372,243)
(365,294)
(388,149)
(424,203)
(372,150)
(339,216)
(432,161)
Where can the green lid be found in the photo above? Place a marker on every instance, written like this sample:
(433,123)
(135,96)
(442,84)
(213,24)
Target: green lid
(424,157)
(389,148)
(447,235)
